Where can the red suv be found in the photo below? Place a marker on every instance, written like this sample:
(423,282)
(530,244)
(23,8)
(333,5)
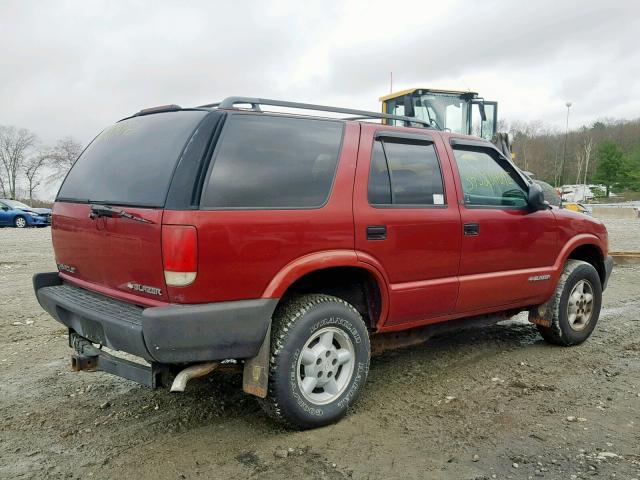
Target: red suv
(286,243)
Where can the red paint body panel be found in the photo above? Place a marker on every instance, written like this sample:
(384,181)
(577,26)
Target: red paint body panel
(111,252)
(576,227)
(510,242)
(427,270)
(241,251)
(111,292)
(422,249)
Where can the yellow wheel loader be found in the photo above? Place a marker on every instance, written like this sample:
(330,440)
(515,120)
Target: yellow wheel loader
(449,110)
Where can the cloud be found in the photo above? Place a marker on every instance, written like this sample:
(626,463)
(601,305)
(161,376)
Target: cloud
(73,67)
(545,52)
(70,68)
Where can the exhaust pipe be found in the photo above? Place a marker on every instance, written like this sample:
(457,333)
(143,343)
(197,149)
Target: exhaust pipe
(194,371)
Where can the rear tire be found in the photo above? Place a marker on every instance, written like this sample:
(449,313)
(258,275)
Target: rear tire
(578,299)
(319,361)
(19,222)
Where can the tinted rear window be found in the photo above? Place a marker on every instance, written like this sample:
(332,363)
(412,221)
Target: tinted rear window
(405,174)
(274,162)
(131,163)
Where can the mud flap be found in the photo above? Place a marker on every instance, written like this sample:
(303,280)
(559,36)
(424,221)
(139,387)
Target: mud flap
(255,376)
(543,314)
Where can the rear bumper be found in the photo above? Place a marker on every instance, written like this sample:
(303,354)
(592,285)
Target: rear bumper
(168,335)
(608,267)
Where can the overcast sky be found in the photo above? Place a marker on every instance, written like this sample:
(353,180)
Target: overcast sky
(73,67)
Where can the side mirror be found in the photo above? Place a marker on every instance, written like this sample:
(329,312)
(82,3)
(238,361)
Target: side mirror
(535,198)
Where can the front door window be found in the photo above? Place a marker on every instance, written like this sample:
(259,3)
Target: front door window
(487,183)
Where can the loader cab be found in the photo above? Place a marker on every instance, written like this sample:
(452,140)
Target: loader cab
(449,110)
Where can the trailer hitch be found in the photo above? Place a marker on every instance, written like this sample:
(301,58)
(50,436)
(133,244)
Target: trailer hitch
(89,358)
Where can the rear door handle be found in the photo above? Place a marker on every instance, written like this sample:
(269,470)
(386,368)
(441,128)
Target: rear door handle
(377,232)
(471,229)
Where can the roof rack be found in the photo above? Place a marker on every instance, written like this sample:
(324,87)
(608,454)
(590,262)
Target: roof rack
(230,102)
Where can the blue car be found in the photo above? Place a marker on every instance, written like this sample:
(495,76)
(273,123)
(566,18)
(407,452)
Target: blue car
(17,214)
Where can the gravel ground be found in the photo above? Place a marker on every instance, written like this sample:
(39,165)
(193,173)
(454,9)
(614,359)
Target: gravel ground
(624,234)
(480,404)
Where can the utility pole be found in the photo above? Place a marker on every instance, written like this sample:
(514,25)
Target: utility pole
(391,82)
(564,147)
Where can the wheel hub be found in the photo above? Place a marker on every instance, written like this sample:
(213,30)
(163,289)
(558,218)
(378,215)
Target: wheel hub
(325,366)
(580,305)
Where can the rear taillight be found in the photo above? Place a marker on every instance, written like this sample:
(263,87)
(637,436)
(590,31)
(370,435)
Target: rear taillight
(179,254)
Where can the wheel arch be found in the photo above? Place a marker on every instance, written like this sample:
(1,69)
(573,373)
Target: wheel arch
(591,254)
(338,273)
(587,248)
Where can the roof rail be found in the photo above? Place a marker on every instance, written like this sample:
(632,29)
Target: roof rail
(255,103)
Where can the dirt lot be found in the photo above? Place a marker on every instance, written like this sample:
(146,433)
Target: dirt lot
(624,234)
(478,404)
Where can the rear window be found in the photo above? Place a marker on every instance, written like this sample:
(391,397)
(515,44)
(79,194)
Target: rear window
(274,162)
(405,173)
(131,163)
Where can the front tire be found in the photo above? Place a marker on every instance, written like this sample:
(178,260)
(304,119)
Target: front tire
(319,361)
(576,310)
(19,222)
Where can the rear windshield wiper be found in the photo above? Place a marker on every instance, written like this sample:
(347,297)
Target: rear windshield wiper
(108,211)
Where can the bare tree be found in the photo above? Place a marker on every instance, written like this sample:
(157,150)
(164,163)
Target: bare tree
(582,156)
(503,125)
(32,169)
(14,146)
(62,157)
(523,133)
(579,162)
(588,144)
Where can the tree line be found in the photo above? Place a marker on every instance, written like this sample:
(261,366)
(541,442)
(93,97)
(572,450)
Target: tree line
(25,164)
(606,152)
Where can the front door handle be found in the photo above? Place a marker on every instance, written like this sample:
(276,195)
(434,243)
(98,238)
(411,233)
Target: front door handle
(471,229)
(377,232)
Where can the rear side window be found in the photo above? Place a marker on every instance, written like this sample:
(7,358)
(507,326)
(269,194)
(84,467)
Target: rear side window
(132,162)
(405,173)
(273,162)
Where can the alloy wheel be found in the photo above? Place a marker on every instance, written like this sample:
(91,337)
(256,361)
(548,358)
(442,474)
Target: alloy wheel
(580,305)
(325,365)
